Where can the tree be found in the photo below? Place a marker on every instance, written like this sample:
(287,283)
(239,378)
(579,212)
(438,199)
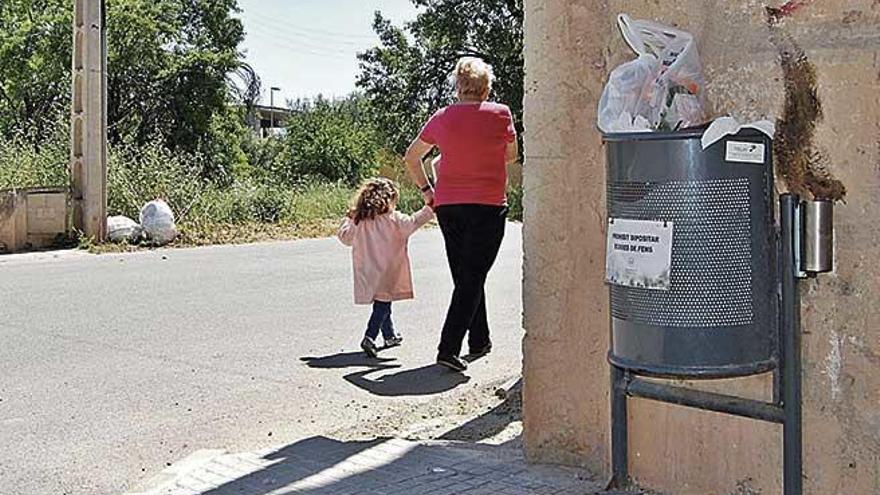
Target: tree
(329,140)
(169,66)
(407,77)
(35,48)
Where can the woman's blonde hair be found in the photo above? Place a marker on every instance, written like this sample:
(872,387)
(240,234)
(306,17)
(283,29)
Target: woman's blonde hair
(473,78)
(375,197)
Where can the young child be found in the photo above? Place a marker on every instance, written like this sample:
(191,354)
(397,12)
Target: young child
(378,236)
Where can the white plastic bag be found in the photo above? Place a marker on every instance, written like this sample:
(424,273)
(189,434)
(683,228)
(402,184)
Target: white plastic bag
(620,103)
(123,229)
(157,220)
(663,89)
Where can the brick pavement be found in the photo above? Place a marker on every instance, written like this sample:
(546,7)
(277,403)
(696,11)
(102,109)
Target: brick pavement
(321,465)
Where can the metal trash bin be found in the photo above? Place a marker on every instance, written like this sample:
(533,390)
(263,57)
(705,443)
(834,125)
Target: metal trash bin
(718,316)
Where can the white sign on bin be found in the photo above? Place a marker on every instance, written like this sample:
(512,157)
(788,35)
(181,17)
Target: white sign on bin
(639,253)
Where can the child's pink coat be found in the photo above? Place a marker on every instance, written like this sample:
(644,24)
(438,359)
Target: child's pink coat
(379,256)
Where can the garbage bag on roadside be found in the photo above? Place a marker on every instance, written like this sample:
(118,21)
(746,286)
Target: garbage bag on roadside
(157,220)
(123,229)
(663,89)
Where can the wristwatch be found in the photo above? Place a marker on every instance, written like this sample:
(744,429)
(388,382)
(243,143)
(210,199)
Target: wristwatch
(426,187)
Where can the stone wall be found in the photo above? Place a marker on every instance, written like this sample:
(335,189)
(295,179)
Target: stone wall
(571,46)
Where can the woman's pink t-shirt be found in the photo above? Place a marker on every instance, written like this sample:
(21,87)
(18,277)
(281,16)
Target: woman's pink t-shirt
(473,139)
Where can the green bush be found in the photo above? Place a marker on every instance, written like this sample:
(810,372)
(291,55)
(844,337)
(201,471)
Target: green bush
(515,203)
(330,141)
(23,164)
(320,201)
(138,174)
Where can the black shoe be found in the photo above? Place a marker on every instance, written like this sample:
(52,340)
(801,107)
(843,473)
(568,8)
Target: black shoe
(369,347)
(452,362)
(478,352)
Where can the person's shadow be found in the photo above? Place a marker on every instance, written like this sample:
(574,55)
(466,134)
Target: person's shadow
(426,380)
(349,360)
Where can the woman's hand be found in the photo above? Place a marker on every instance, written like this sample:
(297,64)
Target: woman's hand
(428,196)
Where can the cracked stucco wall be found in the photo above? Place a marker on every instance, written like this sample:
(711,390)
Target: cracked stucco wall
(571,45)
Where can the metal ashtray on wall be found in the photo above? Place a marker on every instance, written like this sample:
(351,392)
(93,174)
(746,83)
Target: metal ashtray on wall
(815,237)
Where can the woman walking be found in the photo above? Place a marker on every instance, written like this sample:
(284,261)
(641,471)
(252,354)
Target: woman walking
(477,141)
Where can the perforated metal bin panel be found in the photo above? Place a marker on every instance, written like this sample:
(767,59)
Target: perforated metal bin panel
(719,316)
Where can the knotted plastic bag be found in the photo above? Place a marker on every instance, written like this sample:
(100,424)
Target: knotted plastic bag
(157,220)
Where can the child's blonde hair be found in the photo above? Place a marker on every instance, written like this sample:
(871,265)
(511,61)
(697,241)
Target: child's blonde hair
(473,77)
(375,197)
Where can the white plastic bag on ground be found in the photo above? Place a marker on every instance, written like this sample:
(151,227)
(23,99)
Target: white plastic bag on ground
(663,89)
(157,220)
(123,229)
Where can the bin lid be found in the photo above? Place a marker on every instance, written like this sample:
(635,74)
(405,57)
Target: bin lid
(689,133)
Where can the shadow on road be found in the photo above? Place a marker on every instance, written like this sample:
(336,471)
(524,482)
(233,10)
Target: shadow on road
(348,360)
(493,422)
(324,466)
(426,380)
(293,463)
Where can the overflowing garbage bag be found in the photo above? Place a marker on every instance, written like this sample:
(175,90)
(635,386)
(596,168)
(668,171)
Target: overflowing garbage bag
(157,220)
(123,229)
(663,89)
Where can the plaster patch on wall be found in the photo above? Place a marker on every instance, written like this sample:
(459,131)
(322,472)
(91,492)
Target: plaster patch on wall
(834,363)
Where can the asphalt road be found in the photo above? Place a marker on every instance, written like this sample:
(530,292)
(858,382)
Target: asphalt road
(112,366)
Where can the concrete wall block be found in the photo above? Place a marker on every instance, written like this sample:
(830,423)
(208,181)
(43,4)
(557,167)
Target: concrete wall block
(47,213)
(13,221)
(571,45)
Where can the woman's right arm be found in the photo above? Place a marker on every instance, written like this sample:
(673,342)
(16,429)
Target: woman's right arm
(512,153)
(413,158)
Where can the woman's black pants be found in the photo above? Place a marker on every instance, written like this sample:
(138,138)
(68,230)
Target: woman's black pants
(473,235)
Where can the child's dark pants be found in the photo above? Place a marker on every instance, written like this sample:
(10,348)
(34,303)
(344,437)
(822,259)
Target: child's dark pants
(380,320)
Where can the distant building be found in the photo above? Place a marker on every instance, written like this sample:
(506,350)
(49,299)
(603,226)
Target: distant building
(266,121)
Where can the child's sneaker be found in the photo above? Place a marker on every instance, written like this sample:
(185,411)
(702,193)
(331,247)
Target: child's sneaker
(369,347)
(394,341)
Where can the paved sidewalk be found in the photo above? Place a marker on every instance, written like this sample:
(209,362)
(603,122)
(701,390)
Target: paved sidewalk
(323,465)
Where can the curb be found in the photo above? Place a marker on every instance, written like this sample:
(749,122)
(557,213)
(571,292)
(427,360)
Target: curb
(170,474)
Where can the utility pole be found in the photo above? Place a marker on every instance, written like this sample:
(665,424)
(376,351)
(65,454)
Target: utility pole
(272,91)
(88,154)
